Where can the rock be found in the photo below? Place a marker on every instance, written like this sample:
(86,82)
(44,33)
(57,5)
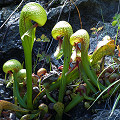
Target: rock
(7,2)
(90,11)
(5,93)
(79,113)
(108,29)
(104,115)
(50,77)
(65,7)
(12,116)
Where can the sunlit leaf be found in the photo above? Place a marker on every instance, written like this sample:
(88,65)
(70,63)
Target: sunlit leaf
(119,27)
(116,20)
(38,40)
(104,47)
(93,28)
(43,38)
(114,23)
(100,28)
(94,32)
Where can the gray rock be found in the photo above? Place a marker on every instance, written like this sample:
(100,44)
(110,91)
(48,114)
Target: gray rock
(5,2)
(104,115)
(65,8)
(90,11)
(108,29)
(12,116)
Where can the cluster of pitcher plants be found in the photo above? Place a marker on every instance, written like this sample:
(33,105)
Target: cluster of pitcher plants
(86,73)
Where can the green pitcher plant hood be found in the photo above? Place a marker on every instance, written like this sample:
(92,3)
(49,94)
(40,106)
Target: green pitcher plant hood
(31,11)
(12,65)
(62,28)
(80,36)
(21,75)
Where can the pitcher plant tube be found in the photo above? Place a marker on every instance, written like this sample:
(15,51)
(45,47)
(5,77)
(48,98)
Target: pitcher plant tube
(14,66)
(31,11)
(82,36)
(63,29)
(105,47)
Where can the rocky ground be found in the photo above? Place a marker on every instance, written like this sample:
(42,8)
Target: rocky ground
(94,13)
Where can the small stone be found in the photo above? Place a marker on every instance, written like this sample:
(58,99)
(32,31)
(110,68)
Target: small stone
(66,99)
(68,92)
(50,106)
(87,104)
(107,74)
(113,77)
(12,116)
(43,107)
